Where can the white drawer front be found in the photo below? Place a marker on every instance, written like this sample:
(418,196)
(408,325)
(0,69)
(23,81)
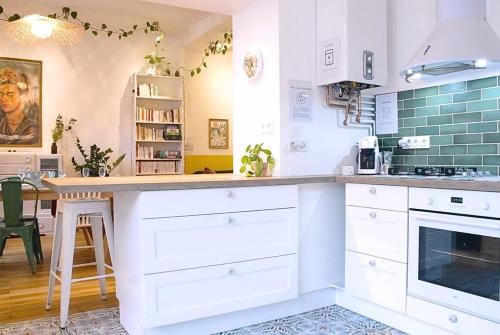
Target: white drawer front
(447,318)
(376,280)
(157,204)
(377,196)
(197,293)
(203,240)
(377,232)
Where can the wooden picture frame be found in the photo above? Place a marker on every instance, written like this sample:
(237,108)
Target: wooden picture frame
(20,102)
(218,133)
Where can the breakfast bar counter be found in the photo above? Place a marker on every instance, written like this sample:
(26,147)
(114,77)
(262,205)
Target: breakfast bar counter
(157,183)
(191,250)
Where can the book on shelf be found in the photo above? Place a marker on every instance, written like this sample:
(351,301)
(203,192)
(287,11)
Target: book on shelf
(172,132)
(146,90)
(170,167)
(150,133)
(161,116)
(143,152)
(167,154)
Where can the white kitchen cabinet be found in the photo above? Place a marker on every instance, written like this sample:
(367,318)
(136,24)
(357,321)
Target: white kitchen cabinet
(377,232)
(394,198)
(203,252)
(178,296)
(450,319)
(376,280)
(157,204)
(376,244)
(193,241)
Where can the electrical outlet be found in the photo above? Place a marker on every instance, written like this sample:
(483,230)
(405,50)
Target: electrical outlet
(415,142)
(298,145)
(266,127)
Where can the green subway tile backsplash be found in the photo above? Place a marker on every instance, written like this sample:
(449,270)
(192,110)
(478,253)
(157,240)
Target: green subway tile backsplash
(452,88)
(483,149)
(481,83)
(462,120)
(426,111)
(406,95)
(428,91)
(467,96)
(482,105)
(467,117)
(453,150)
(482,127)
(491,93)
(453,108)
(437,120)
(439,100)
(421,131)
(412,103)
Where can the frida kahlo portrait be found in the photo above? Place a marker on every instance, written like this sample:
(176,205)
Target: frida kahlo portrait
(20,102)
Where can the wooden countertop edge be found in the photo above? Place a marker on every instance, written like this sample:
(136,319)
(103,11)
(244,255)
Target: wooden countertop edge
(474,185)
(179,184)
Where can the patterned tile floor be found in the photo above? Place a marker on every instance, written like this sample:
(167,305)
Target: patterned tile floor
(332,320)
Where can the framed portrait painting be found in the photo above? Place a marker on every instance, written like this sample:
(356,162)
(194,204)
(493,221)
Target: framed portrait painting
(20,102)
(218,133)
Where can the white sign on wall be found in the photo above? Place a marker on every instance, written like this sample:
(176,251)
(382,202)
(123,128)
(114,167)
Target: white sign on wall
(386,111)
(300,100)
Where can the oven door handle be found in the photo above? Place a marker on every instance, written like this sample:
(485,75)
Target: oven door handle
(469,222)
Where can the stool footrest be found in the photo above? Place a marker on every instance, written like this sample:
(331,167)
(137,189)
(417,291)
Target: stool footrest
(92,278)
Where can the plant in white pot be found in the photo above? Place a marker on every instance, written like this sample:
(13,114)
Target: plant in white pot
(257,161)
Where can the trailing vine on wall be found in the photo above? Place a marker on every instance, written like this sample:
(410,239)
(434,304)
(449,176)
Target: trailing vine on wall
(214,47)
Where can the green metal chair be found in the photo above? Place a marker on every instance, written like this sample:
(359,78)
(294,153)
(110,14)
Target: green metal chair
(14,222)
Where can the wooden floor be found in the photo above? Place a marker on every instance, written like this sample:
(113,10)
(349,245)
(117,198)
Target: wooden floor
(23,295)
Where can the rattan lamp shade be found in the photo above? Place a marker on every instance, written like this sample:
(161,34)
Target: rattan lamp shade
(33,28)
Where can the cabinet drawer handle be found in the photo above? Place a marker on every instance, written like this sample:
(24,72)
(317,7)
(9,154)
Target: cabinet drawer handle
(230,271)
(229,194)
(373,215)
(373,190)
(372,262)
(229,220)
(453,318)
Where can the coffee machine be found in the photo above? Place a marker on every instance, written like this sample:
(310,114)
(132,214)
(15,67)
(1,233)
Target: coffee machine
(368,155)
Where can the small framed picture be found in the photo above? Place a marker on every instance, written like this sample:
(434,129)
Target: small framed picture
(218,133)
(20,102)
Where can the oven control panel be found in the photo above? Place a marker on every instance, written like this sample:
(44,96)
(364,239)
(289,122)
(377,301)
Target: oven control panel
(485,204)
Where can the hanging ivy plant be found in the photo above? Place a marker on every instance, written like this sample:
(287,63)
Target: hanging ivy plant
(214,47)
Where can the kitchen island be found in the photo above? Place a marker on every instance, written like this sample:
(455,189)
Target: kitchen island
(200,254)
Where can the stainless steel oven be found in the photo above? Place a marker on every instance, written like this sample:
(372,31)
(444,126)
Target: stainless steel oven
(454,249)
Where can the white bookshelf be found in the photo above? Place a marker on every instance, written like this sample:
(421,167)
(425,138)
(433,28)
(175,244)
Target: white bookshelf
(155,110)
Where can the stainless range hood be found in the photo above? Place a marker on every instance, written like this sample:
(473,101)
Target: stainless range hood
(462,40)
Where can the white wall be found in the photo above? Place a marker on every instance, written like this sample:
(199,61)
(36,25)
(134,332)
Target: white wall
(209,95)
(89,82)
(256,102)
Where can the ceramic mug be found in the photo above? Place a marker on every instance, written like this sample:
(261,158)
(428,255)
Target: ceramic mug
(347,170)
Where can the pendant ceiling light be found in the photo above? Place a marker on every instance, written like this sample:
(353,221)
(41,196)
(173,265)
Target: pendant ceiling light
(33,28)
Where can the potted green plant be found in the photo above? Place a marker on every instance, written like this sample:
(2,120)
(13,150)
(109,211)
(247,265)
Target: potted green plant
(257,161)
(58,131)
(95,159)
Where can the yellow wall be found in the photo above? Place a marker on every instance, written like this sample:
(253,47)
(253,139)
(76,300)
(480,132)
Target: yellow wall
(214,162)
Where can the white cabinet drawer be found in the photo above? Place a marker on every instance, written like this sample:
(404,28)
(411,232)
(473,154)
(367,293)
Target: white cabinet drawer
(377,232)
(179,296)
(376,280)
(203,240)
(157,204)
(450,319)
(377,196)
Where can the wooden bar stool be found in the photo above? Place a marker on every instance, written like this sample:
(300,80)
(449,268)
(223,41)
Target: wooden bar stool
(69,213)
